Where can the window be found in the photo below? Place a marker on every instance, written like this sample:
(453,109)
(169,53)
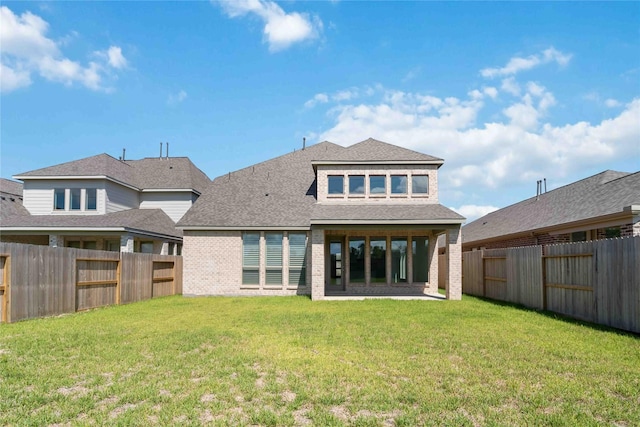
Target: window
(75,199)
(251,259)
(336,184)
(58,199)
(146,247)
(274,258)
(89,245)
(378,260)
(356,259)
(420,184)
(579,236)
(297,259)
(356,184)
(91,199)
(611,232)
(398,184)
(171,249)
(113,245)
(420,246)
(377,184)
(73,244)
(398,259)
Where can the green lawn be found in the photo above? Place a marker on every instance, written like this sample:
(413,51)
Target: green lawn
(291,361)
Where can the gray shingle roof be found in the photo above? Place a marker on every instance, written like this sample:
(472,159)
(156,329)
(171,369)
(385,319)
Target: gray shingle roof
(143,220)
(281,192)
(11,199)
(602,194)
(168,173)
(8,186)
(376,151)
(148,173)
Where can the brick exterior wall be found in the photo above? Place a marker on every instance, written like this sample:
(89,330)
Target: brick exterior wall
(212,265)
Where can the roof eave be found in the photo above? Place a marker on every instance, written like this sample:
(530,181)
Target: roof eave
(74,177)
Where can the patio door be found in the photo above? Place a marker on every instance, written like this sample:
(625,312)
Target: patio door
(335,265)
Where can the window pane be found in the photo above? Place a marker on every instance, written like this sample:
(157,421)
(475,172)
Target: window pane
(273,276)
(579,236)
(297,258)
(73,244)
(58,199)
(377,184)
(92,245)
(398,260)
(356,260)
(335,250)
(251,250)
(250,258)
(336,184)
(612,232)
(75,199)
(91,199)
(378,260)
(146,247)
(274,249)
(420,184)
(398,184)
(420,247)
(356,184)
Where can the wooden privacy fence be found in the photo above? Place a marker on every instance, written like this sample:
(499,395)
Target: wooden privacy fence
(39,281)
(597,281)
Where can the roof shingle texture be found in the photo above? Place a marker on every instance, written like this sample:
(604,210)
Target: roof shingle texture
(147,173)
(144,220)
(602,194)
(11,199)
(281,192)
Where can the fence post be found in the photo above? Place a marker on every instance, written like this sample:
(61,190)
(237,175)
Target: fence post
(6,278)
(118,280)
(544,278)
(484,280)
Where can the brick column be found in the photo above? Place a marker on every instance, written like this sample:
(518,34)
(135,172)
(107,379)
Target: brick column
(317,264)
(432,254)
(454,264)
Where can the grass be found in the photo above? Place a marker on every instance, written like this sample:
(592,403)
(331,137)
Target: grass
(291,361)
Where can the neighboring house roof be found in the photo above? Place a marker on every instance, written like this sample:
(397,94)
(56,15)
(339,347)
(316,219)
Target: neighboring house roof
(148,173)
(281,192)
(168,173)
(606,193)
(11,199)
(147,221)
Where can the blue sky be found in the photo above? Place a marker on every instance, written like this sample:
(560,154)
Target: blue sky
(506,93)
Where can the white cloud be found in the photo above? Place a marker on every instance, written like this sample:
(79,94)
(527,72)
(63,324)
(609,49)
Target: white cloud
(27,50)
(473,212)
(517,64)
(491,92)
(116,59)
(510,85)
(281,29)
(177,98)
(612,103)
(412,74)
(519,149)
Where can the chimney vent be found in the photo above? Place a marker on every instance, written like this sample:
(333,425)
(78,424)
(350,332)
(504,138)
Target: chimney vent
(161,150)
(167,150)
(304,142)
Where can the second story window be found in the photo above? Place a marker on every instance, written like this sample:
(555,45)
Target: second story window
(377,184)
(91,199)
(58,199)
(75,199)
(419,184)
(356,184)
(398,184)
(336,184)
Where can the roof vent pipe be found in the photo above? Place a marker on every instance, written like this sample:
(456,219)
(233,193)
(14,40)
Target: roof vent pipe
(304,142)
(124,150)
(161,150)
(167,150)
(545,185)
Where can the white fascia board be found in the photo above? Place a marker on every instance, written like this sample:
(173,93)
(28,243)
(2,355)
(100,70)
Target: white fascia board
(63,229)
(386,222)
(240,228)
(169,190)
(151,234)
(375,162)
(74,177)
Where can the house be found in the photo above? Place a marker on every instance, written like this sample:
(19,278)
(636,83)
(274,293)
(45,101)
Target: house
(100,202)
(326,220)
(601,206)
